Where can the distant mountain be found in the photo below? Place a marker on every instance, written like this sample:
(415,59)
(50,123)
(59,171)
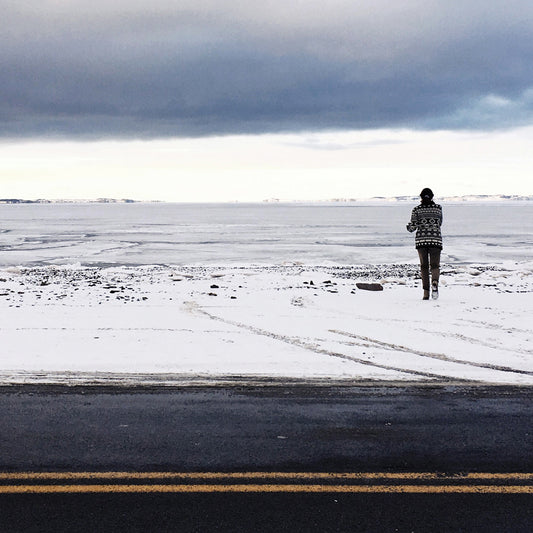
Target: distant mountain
(44,201)
(487,198)
(466,198)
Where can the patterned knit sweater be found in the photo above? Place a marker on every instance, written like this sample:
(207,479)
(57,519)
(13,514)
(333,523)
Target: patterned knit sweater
(426,219)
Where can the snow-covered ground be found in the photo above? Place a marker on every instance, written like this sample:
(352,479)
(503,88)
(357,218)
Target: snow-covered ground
(147,299)
(163,324)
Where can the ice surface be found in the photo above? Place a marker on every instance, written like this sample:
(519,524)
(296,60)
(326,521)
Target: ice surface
(315,234)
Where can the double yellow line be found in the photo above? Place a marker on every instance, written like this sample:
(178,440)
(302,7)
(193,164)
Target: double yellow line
(264,482)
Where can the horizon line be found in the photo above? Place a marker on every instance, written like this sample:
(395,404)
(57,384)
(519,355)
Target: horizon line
(376,199)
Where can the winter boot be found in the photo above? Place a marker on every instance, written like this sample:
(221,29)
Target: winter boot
(426,295)
(435,290)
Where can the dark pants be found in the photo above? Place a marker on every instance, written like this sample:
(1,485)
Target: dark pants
(429,259)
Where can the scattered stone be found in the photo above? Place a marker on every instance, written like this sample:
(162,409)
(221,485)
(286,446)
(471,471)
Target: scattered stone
(212,294)
(369,286)
(214,287)
(297,301)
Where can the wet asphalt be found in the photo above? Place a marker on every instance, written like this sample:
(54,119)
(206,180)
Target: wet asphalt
(372,428)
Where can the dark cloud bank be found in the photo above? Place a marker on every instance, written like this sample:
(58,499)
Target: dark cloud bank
(156,70)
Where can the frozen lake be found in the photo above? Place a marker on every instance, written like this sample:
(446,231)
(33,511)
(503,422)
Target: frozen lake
(232,234)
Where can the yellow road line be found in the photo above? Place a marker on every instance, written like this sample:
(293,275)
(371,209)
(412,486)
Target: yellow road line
(382,482)
(243,488)
(421,476)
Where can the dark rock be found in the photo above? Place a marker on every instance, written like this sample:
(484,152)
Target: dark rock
(214,287)
(369,286)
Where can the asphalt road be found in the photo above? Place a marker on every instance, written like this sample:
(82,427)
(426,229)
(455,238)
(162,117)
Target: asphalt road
(247,459)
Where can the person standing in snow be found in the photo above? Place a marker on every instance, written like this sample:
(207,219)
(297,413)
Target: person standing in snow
(426,219)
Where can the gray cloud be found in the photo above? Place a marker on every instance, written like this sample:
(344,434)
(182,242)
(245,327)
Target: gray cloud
(160,68)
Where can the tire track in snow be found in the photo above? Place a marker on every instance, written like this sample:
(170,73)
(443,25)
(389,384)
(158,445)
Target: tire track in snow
(479,342)
(439,356)
(483,324)
(459,336)
(296,341)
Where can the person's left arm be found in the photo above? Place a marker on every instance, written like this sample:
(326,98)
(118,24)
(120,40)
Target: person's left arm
(413,224)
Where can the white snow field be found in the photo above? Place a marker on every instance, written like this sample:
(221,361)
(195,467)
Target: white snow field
(187,293)
(183,325)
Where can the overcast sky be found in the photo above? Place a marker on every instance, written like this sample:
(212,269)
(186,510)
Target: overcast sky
(93,92)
